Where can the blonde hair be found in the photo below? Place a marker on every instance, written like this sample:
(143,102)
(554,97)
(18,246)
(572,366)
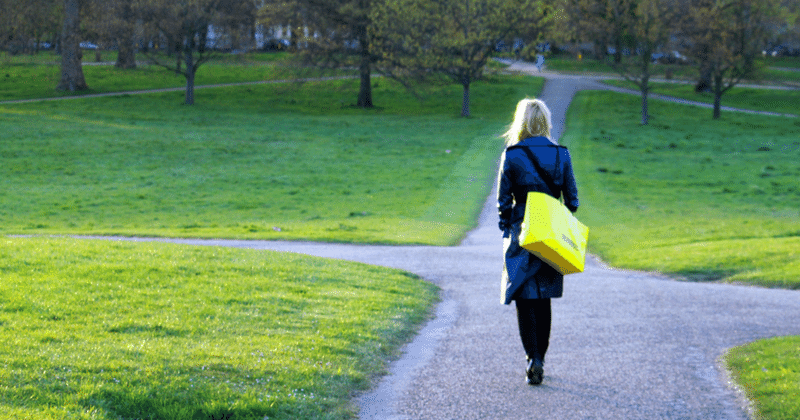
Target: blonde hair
(532,118)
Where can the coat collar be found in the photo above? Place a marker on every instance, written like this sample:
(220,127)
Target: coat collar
(535,141)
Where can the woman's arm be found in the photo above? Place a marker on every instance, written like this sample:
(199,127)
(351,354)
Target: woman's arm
(505,200)
(570,187)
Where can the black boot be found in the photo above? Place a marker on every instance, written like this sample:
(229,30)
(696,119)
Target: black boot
(534,372)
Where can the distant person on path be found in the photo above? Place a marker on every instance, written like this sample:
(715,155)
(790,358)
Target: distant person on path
(532,161)
(539,62)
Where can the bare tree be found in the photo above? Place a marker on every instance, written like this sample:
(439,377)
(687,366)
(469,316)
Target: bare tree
(647,26)
(187,25)
(331,33)
(453,38)
(725,36)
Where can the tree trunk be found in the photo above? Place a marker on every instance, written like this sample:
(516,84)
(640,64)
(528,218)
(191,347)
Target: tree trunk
(645,85)
(191,69)
(126,56)
(202,40)
(71,71)
(178,63)
(617,50)
(717,96)
(645,110)
(292,37)
(365,90)
(704,84)
(465,100)
(171,46)
(365,69)
(178,45)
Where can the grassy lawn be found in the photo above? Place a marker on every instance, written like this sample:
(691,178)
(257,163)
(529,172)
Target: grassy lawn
(775,70)
(101,330)
(118,330)
(700,199)
(756,99)
(137,330)
(687,195)
(265,161)
(568,63)
(785,62)
(768,372)
(783,75)
(25,77)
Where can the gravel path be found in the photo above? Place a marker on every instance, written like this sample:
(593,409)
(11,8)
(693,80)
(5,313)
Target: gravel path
(624,345)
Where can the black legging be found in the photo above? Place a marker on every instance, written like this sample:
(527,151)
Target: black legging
(534,317)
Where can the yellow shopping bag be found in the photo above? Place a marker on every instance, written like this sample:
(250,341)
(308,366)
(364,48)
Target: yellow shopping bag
(553,234)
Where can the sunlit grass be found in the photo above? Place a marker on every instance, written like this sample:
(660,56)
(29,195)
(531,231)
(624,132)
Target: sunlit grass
(99,331)
(109,330)
(267,162)
(741,97)
(118,330)
(687,195)
(697,199)
(768,372)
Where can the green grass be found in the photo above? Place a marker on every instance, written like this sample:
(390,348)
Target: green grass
(756,99)
(299,162)
(783,75)
(120,330)
(568,63)
(769,373)
(784,62)
(769,70)
(266,161)
(698,199)
(687,195)
(37,77)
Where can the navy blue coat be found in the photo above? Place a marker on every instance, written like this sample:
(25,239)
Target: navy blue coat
(525,276)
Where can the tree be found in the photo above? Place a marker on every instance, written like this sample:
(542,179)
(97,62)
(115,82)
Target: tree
(453,38)
(71,70)
(119,22)
(188,25)
(25,25)
(331,33)
(125,35)
(792,22)
(646,24)
(113,23)
(284,14)
(725,36)
(785,31)
(601,22)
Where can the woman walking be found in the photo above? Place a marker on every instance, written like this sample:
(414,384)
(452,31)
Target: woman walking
(532,161)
